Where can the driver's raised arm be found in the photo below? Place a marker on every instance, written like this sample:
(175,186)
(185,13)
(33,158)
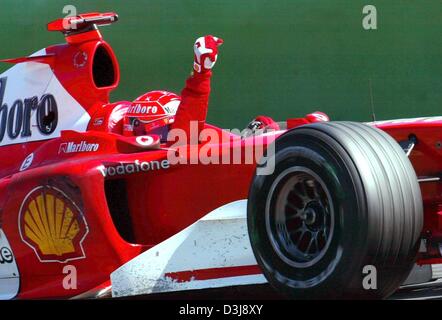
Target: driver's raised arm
(195,95)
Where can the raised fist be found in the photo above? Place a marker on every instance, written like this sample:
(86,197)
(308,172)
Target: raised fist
(206,53)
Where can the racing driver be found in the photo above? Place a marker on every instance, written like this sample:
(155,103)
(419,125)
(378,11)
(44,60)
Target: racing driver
(158,111)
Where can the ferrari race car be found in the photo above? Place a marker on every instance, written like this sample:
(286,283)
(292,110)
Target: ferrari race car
(318,209)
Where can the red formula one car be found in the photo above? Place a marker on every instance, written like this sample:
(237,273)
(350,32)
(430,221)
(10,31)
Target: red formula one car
(87,211)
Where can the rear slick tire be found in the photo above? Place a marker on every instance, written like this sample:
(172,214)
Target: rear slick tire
(340,217)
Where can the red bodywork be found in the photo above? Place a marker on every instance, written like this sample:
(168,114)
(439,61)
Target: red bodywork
(158,203)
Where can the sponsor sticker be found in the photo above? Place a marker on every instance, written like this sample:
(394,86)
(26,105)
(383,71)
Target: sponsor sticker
(98,122)
(16,119)
(27,162)
(141,108)
(9,275)
(52,225)
(74,147)
(144,141)
(80,59)
(6,255)
(135,167)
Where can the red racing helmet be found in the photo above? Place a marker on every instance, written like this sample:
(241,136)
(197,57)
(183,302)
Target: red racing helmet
(151,113)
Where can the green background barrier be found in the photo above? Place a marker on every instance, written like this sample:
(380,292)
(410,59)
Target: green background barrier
(282,58)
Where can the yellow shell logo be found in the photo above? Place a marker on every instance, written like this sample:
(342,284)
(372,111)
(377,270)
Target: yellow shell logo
(52,225)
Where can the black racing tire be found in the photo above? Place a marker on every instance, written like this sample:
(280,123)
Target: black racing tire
(343,198)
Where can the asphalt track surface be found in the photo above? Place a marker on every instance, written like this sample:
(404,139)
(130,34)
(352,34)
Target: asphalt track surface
(424,291)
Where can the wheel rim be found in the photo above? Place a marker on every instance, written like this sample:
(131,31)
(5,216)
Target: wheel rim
(300,228)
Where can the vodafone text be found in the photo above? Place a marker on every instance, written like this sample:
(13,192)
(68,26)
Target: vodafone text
(135,167)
